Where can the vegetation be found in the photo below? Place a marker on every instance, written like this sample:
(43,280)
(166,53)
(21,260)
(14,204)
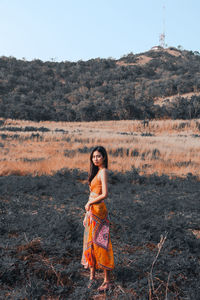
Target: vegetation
(42,148)
(154,84)
(153,179)
(42,234)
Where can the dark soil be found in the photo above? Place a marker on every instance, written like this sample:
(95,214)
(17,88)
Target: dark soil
(41,236)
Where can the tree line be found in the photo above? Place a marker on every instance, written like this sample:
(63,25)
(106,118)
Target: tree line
(101,89)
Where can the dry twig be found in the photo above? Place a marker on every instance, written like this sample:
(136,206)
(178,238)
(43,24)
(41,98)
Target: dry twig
(151,282)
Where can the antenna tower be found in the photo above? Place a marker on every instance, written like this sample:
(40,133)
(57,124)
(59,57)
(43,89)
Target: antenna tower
(162,35)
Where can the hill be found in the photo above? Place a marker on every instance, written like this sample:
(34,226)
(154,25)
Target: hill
(162,83)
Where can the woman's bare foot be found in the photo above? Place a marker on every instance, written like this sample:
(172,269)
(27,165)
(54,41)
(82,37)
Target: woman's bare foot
(106,285)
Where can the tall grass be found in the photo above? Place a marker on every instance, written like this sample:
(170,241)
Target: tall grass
(162,147)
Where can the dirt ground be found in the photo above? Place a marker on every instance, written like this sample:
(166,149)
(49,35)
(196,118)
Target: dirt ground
(155,225)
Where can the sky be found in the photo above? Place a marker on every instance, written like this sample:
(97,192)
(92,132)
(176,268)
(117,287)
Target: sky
(73,30)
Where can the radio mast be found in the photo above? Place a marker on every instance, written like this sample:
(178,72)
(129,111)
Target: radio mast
(162,35)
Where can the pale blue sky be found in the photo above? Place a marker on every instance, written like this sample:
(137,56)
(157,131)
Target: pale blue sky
(84,29)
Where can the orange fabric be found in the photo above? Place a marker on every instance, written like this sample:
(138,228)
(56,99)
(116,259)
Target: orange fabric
(96,186)
(97,247)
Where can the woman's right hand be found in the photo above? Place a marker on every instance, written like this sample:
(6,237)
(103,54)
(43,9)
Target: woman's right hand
(87,206)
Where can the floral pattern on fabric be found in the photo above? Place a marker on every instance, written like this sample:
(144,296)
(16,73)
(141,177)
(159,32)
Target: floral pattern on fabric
(101,237)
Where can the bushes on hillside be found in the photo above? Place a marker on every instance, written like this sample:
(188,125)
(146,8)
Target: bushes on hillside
(99,89)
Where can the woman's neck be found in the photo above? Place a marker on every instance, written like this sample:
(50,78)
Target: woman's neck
(101,167)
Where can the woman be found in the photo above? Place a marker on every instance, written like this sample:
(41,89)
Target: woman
(97,247)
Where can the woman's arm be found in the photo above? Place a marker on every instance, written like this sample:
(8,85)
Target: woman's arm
(104,181)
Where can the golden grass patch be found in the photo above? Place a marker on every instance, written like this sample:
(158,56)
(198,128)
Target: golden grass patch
(162,147)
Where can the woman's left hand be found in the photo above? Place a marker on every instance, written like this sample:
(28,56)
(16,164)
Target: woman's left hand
(87,206)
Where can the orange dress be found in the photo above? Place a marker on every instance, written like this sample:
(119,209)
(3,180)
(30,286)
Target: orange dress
(97,247)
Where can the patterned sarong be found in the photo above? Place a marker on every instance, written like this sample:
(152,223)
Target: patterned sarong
(97,247)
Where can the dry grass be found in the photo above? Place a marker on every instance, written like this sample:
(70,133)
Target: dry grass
(162,100)
(141,60)
(165,147)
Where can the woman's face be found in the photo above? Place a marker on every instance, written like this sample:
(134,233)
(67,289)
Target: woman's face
(97,159)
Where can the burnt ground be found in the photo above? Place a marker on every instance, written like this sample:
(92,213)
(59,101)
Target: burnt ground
(41,236)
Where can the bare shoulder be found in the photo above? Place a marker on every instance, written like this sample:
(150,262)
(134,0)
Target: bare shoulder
(103,173)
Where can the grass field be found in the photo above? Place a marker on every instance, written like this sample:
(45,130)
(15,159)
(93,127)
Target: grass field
(41,237)
(163,147)
(154,219)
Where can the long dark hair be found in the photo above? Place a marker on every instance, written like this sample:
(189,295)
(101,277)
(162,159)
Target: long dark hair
(94,169)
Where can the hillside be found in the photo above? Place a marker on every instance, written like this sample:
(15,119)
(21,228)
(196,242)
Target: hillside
(162,83)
